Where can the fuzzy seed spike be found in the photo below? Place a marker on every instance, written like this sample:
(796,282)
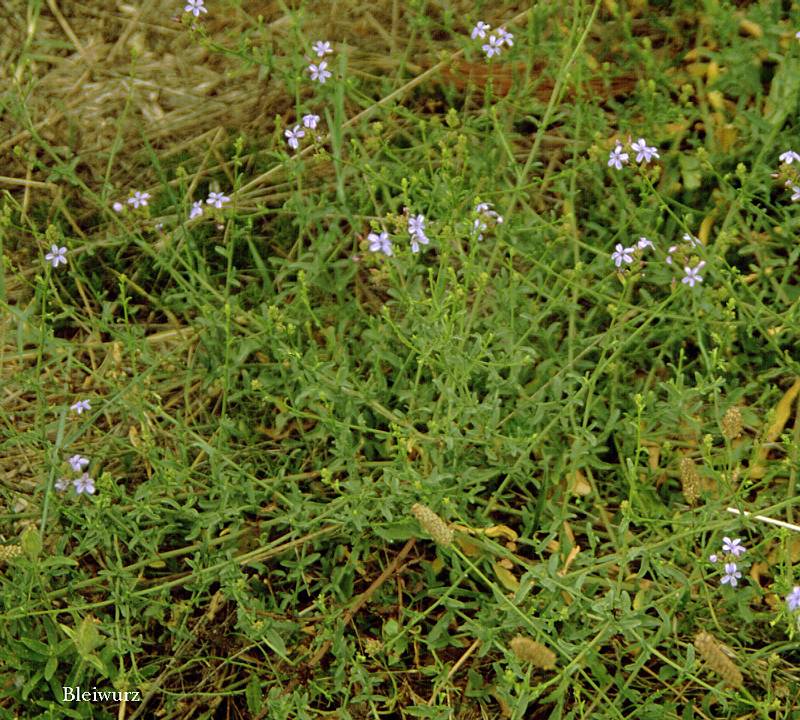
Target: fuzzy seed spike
(717,660)
(533,652)
(437,528)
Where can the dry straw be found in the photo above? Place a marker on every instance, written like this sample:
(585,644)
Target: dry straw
(437,528)
(711,651)
(533,652)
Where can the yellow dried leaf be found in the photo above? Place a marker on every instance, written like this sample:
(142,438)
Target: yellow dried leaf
(716,99)
(705,228)
(697,69)
(577,484)
(507,579)
(751,28)
(501,531)
(782,412)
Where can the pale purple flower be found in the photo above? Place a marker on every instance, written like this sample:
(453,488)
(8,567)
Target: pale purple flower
(731,575)
(478,227)
(217,199)
(643,152)
(416,241)
(479,31)
(692,240)
(795,190)
(80,406)
(416,225)
(195,7)
(493,47)
(118,207)
(644,243)
(693,274)
(505,37)
(617,158)
(56,255)
(293,136)
(485,208)
(622,254)
(310,121)
(380,243)
(672,249)
(797,35)
(789,157)
(78,462)
(139,199)
(734,547)
(322,48)
(84,484)
(319,72)
(713,558)
(61,484)
(793,598)
(197,209)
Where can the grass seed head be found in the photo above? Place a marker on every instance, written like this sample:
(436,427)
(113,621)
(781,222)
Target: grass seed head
(711,651)
(690,480)
(533,652)
(732,423)
(437,528)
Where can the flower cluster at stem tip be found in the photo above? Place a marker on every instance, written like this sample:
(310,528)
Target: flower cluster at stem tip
(732,550)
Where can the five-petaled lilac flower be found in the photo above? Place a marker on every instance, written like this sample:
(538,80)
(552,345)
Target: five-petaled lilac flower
(80,406)
(322,48)
(84,484)
(493,47)
(693,274)
(731,575)
(644,243)
(197,209)
(793,598)
(380,243)
(789,157)
(62,484)
(505,37)
(293,136)
(643,152)
(416,225)
(310,121)
(217,199)
(617,158)
(195,7)
(319,72)
(479,31)
(692,240)
(734,547)
(622,254)
(78,462)
(139,199)
(56,255)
